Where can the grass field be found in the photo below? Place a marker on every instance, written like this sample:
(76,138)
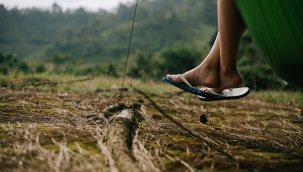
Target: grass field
(55,123)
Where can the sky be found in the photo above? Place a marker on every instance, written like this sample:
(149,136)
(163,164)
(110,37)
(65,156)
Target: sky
(91,5)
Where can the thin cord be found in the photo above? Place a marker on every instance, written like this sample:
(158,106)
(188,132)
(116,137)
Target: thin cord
(130,41)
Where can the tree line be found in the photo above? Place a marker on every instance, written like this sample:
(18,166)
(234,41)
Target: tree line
(99,35)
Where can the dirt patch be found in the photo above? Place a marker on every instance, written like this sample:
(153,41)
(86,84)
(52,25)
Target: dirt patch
(47,131)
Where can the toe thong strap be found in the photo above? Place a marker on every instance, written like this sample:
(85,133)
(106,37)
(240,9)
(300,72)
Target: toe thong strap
(208,89)
(184,80)
(214,93)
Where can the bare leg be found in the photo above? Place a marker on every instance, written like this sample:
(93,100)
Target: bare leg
(219,70)
(207,73)
(231,28)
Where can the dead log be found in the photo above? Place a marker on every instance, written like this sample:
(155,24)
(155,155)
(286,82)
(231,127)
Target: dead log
(121,130)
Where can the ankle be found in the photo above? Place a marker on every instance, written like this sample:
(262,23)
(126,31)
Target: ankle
(209,65)
(229,71)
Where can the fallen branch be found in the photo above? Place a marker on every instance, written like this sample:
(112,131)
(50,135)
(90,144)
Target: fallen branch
(121,131)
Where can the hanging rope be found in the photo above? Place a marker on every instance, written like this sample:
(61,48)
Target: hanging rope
(129,45)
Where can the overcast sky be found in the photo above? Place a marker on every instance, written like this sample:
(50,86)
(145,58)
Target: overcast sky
(92,5)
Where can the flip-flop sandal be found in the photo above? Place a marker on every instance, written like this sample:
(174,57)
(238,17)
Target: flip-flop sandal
(186,86)
(227,94)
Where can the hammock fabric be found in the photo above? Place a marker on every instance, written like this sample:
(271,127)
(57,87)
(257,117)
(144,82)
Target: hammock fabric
(277,28)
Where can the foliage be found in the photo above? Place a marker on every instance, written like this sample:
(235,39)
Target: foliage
(99,35)
(181,57)
(256,72)
(9,62)
(144,66)
(27,31)
(59,59)
(105,69)
(59,64)
(40,68)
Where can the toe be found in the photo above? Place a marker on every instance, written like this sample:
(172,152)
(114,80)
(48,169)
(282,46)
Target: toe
(172,77)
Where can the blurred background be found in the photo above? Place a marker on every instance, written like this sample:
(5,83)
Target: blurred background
(91,38)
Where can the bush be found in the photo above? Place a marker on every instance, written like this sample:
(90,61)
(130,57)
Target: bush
(59,58)
(3,70)
(11,62)
(105,69)
(177,59)
(40,68)
(23,66)
(144,66)
(180,58)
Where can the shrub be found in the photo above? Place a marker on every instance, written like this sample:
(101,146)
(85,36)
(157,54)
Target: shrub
(10,62)
(59,58)
(180,58)
(40,68)
(177,59)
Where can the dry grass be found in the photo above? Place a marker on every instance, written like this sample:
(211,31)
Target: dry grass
(59,128)
(29,150)
(49,132)
(267,136)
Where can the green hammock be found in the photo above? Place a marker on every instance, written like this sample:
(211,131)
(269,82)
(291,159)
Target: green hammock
(277,28)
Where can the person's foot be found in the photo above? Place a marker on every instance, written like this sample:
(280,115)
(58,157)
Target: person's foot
(228,79)
(203,75)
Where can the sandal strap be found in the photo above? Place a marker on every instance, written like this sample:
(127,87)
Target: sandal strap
(214,93)
(184,80)
(209,89)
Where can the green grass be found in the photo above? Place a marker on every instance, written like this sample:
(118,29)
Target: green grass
(105,84)
(287,97)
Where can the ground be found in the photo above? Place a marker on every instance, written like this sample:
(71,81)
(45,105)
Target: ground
(43,129)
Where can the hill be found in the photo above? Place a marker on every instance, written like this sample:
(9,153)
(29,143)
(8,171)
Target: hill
(98,35)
